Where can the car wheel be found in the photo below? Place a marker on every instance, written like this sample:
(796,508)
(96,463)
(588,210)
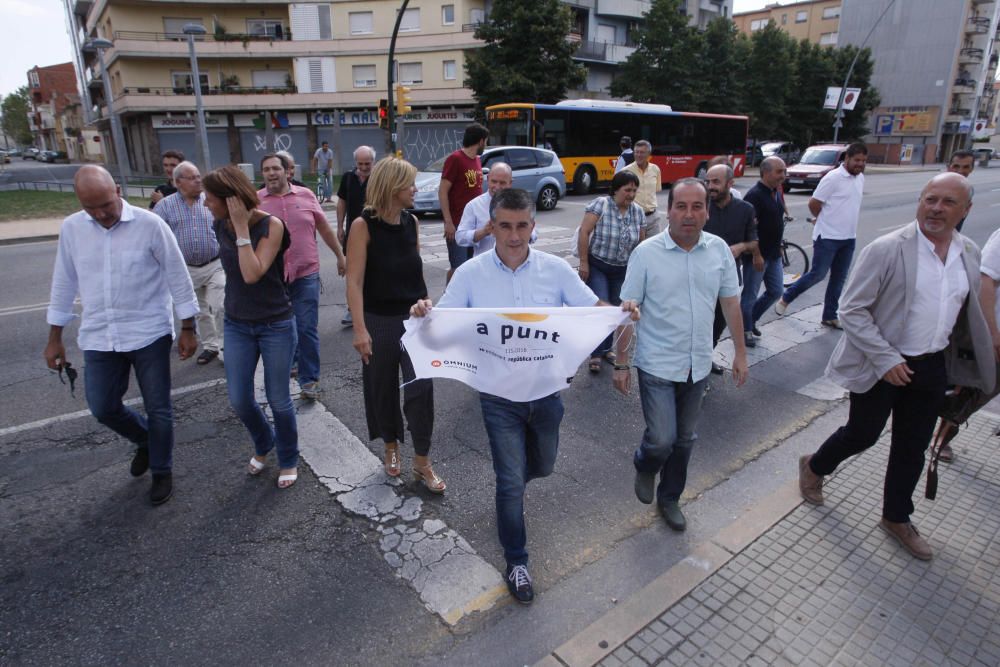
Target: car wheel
(548,198)
(583,181)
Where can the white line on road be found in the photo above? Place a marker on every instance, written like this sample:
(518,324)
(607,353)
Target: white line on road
(86,413)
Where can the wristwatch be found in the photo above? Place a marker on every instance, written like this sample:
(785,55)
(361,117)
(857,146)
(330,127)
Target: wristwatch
(240,242)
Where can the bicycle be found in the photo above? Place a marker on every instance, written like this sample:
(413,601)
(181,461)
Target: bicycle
(794,262)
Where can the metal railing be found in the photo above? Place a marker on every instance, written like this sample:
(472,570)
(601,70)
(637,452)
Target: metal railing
(209,90)
(285,36)
(971,53)
(471,27)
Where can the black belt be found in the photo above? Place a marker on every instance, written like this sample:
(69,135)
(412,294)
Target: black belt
(198,266)
(922,357)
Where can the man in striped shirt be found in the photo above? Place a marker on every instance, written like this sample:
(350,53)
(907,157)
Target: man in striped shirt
(189,220)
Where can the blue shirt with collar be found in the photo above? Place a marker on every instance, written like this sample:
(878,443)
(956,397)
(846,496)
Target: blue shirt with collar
(541,281)
(677,291)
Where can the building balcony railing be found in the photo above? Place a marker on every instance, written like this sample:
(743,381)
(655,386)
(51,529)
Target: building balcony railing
(977,25)
(960,111)
(208,90)
(970,55)
(471,27)
(982,2)
(603,51)
(627,8)
(965,86)
(285,36)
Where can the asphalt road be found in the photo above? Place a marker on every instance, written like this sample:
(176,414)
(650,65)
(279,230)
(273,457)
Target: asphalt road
(232,571)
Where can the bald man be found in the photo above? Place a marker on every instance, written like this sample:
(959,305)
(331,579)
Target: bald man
(909,292)
(130,275)
(475,230)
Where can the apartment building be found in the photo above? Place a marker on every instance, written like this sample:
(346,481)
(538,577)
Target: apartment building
(51,90)
(313,70)
(815,20)
(935,64)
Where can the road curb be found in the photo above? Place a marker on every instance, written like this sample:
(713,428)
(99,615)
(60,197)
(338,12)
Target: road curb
(613,629)
(29,239)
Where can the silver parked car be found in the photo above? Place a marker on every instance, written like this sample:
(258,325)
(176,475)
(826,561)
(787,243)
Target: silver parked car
(536,170)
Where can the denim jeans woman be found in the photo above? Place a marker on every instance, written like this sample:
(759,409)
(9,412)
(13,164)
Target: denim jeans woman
(259,320)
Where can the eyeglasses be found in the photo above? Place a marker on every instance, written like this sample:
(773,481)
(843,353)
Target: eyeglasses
(71,375)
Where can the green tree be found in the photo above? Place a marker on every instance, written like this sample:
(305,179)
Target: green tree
(808,122)
(769,82)
(661,68)
(527,57)
(15,108)
(720,82)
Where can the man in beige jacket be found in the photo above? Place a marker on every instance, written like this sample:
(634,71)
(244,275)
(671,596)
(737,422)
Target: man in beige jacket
(912,326)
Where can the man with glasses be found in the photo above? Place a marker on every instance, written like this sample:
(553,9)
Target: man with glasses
(191,223)
(126,267)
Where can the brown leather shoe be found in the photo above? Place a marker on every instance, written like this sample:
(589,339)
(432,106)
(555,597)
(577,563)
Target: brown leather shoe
(810,484)
(907,535)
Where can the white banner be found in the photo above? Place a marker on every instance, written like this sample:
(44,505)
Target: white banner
(833,97)
(521,354)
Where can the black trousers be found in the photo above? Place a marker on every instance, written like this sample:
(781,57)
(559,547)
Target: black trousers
(718,325)
(914,410)
(380,379)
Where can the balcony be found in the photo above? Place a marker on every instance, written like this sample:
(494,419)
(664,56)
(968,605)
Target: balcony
(627,8)
(603,52)
(970,56)
(982,2)
(243,38)
(207,90)
(977,25)
(958,114)
(964,86)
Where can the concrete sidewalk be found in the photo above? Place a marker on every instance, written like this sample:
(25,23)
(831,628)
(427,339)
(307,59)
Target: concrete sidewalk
(793,584)
(23,231)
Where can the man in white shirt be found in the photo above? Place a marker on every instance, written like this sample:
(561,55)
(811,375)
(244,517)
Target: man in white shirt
(910,291)
(650,182)
(126,266)
(476,230)
(836,205)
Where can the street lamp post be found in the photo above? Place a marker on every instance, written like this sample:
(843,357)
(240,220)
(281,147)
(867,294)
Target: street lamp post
(839,116)
(117,136)
(192,29)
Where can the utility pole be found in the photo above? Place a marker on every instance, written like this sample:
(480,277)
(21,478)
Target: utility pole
(391,77)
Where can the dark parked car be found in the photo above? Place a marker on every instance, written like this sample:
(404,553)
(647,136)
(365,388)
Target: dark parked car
(53,156)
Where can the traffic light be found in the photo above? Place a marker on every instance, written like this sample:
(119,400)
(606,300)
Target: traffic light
(383,114)
(402,100)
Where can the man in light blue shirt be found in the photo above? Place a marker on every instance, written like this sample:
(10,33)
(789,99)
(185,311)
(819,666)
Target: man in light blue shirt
(524,436)
(676,278)
(125,264)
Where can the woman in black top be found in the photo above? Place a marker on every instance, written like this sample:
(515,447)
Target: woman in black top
(259,321)
(384,278)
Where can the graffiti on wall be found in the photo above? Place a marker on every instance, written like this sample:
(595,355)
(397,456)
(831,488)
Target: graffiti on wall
(282,142)
(421,146)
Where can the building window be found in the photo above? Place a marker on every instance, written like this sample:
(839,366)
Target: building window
(173,27)
(449,70)
(411,20)
(361,23)
(33,79)
(831,12)
(828,39)
(268,27)
(758,24)
(784,19)
(269,78)
(447,14)
(802,17)
(411,73)
(477,15)
(364,76)
(182,81)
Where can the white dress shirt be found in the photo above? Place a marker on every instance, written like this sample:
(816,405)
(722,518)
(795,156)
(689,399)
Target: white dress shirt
(129,278)
(841,196)
(476,216)
(940,292)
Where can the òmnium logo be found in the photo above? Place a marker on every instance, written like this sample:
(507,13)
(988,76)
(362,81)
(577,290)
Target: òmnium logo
(436,363)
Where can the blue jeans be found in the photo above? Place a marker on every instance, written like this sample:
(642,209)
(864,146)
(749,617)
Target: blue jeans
(752,306)
(246,343)
(829,255)
(524,441)
(304,294)
(671,410)
(606,282)
(106,381)
(457,255)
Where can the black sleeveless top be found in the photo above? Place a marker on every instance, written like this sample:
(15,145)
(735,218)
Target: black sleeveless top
(265,301)
(394,272)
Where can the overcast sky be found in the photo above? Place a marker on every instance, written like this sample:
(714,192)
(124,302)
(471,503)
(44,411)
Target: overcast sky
(35,34)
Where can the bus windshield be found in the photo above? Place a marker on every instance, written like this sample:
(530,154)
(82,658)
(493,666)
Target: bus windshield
(816,156)
(509,127)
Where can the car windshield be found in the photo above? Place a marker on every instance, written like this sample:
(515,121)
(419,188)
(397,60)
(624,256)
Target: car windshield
(770,149)
(437,166)
(819,156)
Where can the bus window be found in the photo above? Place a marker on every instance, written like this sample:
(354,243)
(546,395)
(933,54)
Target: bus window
(509,127)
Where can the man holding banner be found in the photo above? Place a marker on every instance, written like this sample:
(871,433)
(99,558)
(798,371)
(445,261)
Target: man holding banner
(676,277)
(518,360)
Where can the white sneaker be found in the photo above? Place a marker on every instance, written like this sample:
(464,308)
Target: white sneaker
(780,307)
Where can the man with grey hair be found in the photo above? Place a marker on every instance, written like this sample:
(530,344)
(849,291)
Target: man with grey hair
(766,198)
(351,199)
(291,169)
(189,220)
(476,229)
(650,183)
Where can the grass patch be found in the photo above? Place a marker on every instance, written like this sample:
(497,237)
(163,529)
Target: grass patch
(32,204)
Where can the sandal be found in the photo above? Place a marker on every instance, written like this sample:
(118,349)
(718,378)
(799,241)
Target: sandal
(286,480)
(595,365)
(255,467)
(392,463)
(430,479)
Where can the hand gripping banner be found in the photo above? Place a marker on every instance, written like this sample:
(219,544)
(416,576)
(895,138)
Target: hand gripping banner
(521,354)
